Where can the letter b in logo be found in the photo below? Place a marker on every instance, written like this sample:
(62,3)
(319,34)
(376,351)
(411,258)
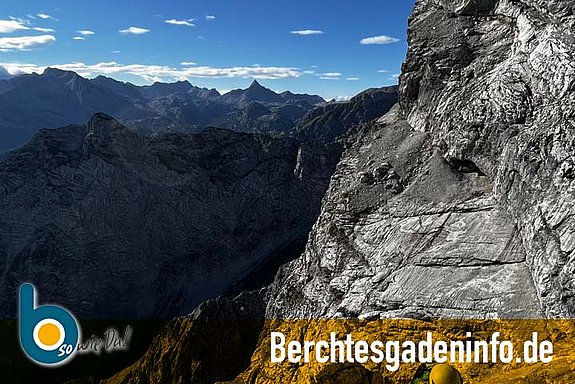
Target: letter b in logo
(49,334)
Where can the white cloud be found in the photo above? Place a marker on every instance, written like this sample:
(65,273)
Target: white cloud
(116,51)
(186,23)
(78,38)
(25,43)
(309,72)
(86,33)
(352,78)
(44,30)
(307,32)
(153,73)
(343,98)
(383,39)
(134,31)
(43,16)
(20,20)
(330,76)
(210,17)
(187,63)
(383,71)
(9,26)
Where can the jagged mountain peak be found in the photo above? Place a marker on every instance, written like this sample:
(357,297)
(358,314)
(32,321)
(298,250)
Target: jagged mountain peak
(302,98)
(180,85)
(334,119)
(255,84)
(255,92)
(102,120)
(102,78)
(4,74)
(57,72)
(159,89)
(103,133)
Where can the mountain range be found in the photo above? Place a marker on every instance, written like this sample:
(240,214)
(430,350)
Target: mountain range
(57,98)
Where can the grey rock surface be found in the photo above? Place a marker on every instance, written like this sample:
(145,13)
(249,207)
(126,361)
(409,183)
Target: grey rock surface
(481,222)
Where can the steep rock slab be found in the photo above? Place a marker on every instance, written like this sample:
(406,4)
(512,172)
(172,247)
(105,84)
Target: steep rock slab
(420,237)
(495,87)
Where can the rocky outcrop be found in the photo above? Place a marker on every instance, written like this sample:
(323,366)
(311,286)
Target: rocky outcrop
(96,214)
(214,343)
(405,233)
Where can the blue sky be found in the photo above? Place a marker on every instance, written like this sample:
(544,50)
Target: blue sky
(331,48)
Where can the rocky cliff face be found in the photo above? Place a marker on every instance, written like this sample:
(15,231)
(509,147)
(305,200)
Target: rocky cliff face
(508,106)
(96,215)
(459,203)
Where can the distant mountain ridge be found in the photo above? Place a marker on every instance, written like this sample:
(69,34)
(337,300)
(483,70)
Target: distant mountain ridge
(332,120)
(56,98)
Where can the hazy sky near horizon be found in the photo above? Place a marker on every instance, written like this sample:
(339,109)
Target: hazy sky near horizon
(331,48)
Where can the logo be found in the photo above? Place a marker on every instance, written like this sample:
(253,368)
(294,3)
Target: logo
(49,334)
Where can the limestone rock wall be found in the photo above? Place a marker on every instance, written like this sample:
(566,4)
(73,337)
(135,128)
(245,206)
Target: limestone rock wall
(479,220)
